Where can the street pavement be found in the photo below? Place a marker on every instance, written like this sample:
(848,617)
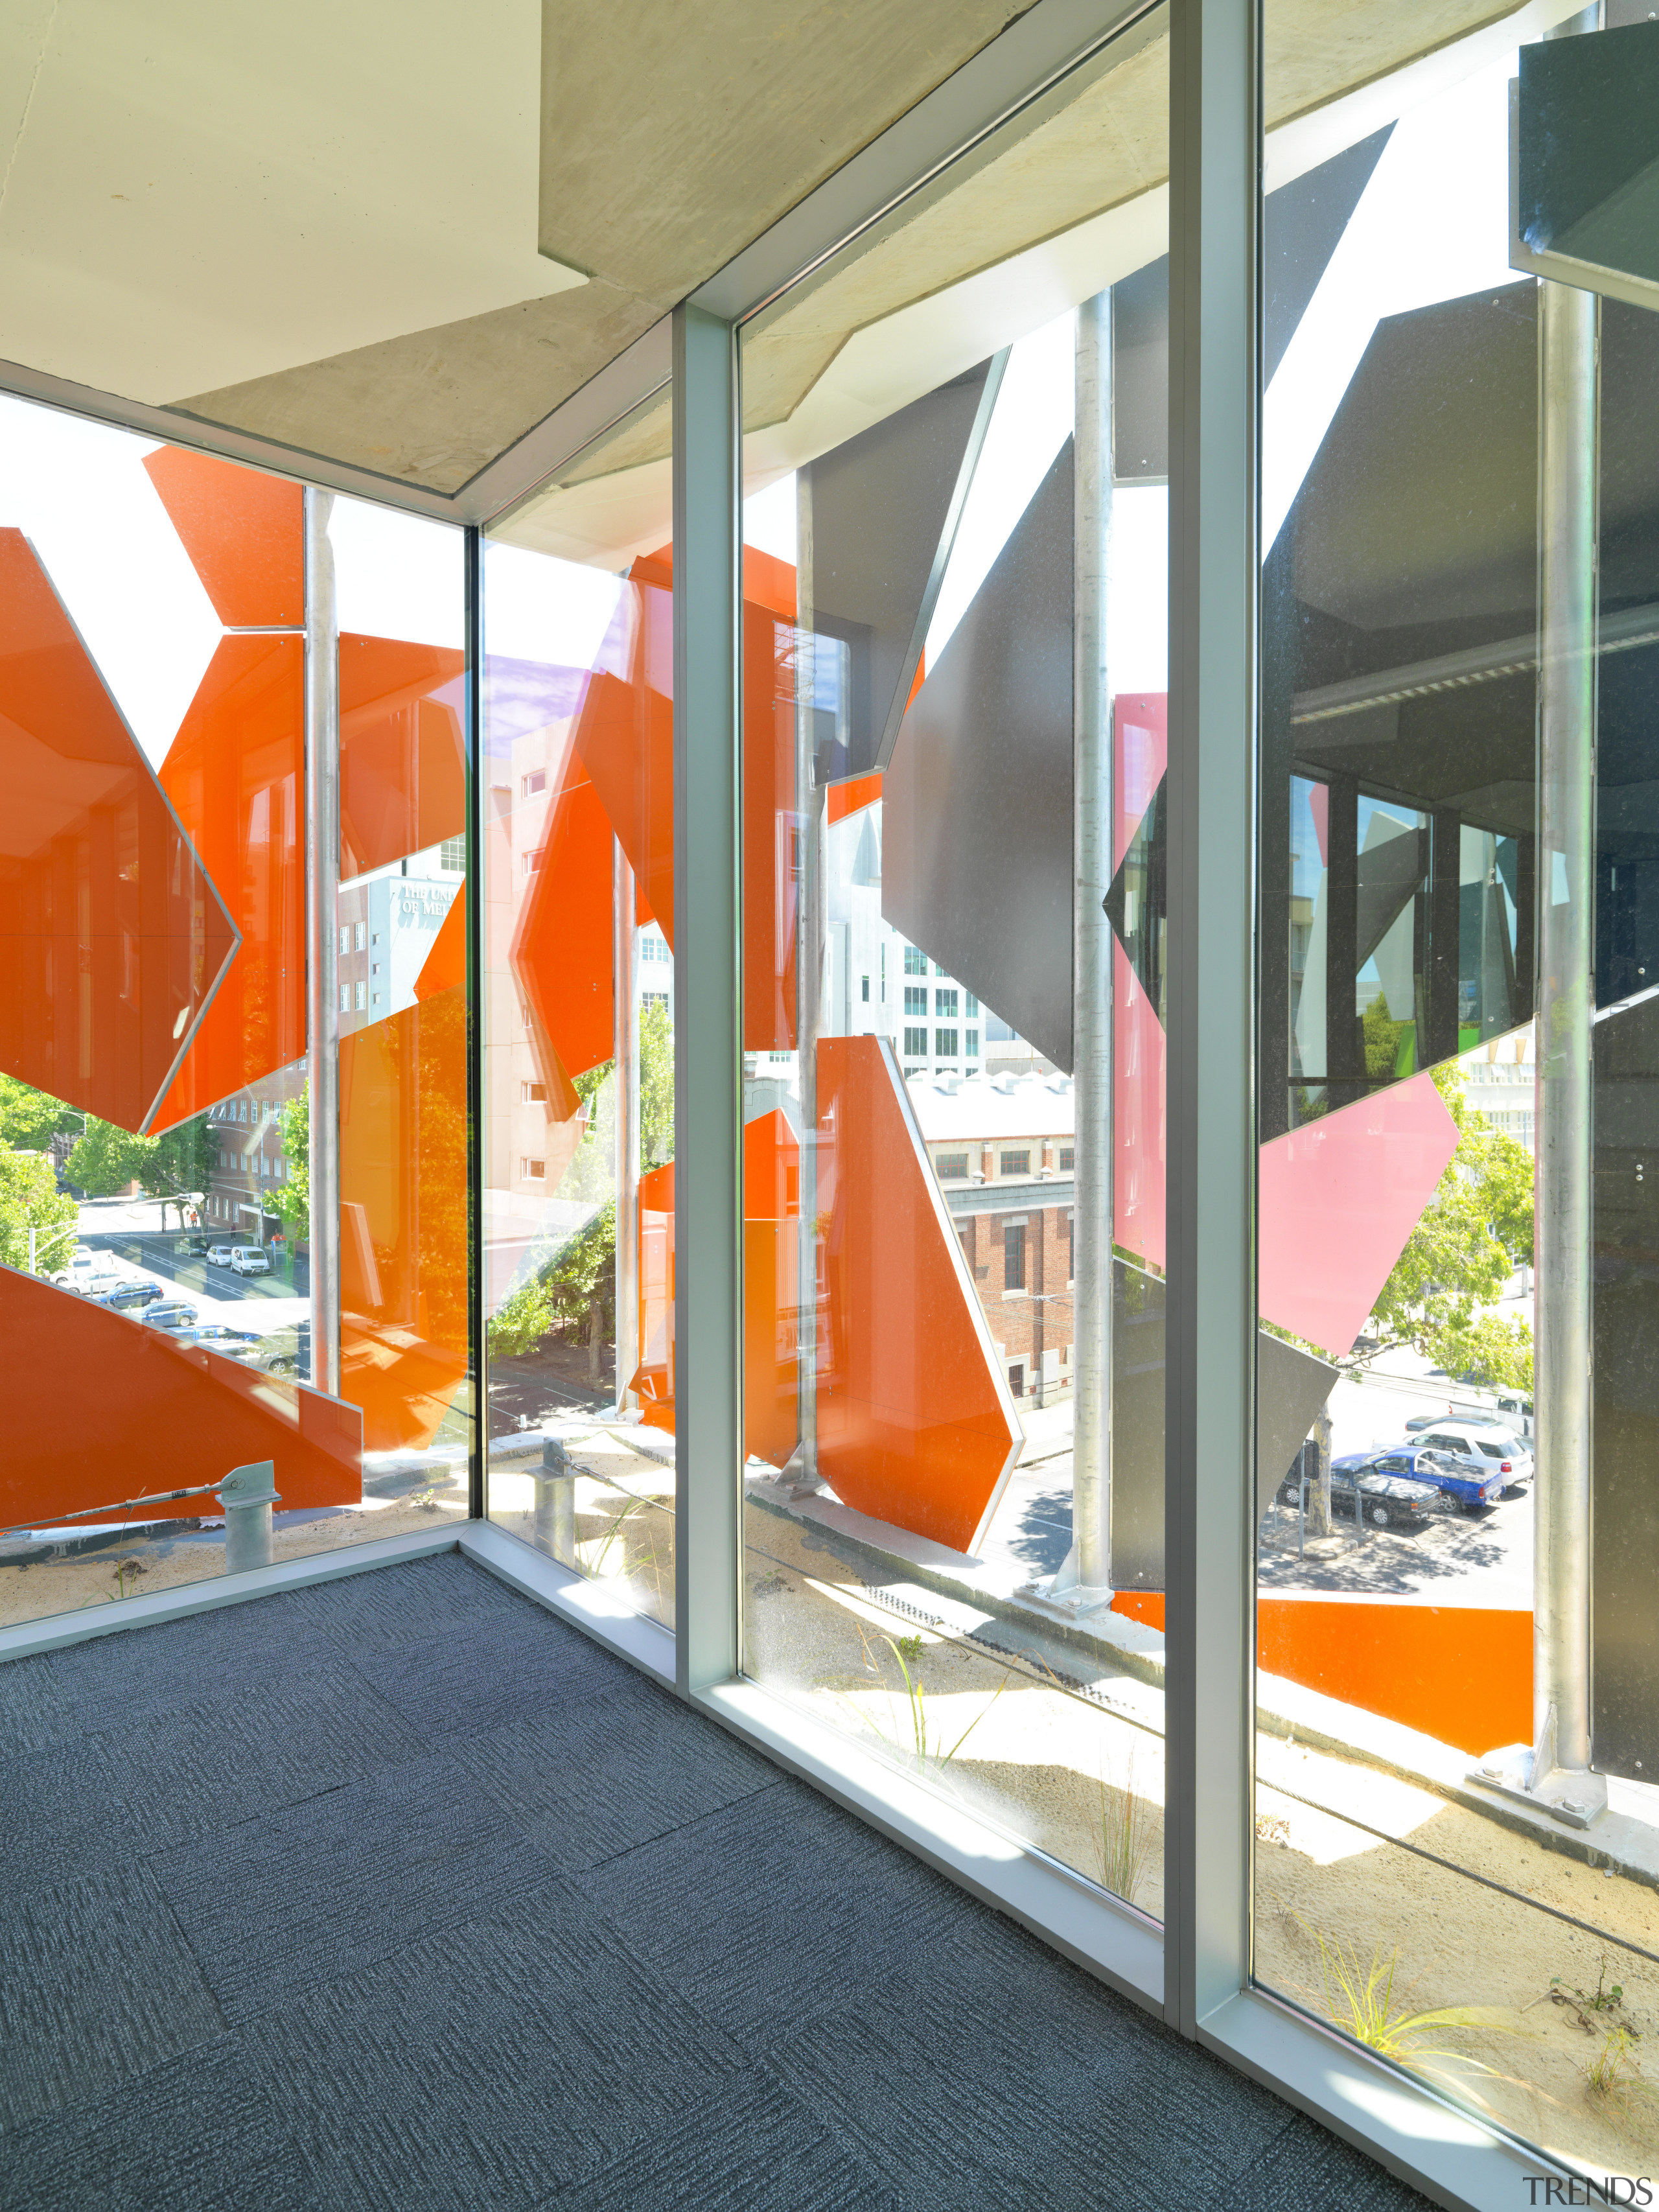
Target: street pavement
(125,1238)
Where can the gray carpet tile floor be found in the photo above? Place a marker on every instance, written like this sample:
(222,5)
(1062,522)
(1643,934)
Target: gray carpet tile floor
(398,1893)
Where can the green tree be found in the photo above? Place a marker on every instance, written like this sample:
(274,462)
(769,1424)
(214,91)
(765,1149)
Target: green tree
(293,1196)
(1475,1230)
(30,1119)
(656,1088)
(30,1198)
(1382,1034)
(577,1285)
(105,1160)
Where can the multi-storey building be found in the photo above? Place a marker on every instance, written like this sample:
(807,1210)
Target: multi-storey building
(249,1161)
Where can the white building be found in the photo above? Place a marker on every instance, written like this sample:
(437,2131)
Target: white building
(1501,1075)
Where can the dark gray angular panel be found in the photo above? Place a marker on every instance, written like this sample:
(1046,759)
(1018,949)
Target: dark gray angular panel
(977,825)
(1291,1386)
(884,509)
(1586,164)
(1625,1372)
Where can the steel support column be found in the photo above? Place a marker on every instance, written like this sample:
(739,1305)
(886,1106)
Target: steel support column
(1092,965)
(707,1000)
(1210,1338)
(625,1071)
(1567,328)
(322,919)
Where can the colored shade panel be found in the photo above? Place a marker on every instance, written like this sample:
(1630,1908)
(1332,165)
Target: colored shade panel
(403,762)
(113,937)
(625,731)
(445,966)
(235,774)
(1337,1198)
(561,956)
(404,1220)
(914,1423)
(244,534)
(163,1416)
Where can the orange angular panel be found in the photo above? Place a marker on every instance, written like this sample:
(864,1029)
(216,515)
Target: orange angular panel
(402,760)
(244,534)
(625,735)
(445,966)
(561,956)
(235,774)
(652,1381)
(404,1220)
(113,937)
(771,1294)
(101,1409)
(914,1423)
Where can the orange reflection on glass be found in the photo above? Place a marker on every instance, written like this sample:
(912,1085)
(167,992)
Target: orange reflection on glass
(235,774)
(403,1218)
(403,763)
(112,939)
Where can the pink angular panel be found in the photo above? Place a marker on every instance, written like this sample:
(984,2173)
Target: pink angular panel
(1141,728)
(1339,1198)
(1138,1129)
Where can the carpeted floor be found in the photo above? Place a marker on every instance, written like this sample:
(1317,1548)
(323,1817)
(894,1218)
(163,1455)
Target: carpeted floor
(396,1891)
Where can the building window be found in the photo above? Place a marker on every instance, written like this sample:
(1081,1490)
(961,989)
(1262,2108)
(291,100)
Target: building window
(452,856)
(1015,1164)
(916,1000)
(1013,1255)
(969,1004)
(1017,1379)
(944,1005)
(916,961)
(973,1044)
(533,1171)
(1068,1159)
(532,1094)
(654,999)
(952,1167)
(535,781)
(1071,1249)
(914,1071)
(345,998)
(915,1040)
(532,860)
(867,990)
(362,934)
(945,1044)
(362,997)
(375,939)
(345,937)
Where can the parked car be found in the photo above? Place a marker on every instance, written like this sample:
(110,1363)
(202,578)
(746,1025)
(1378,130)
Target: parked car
(1478,1440)
(1465,1412)
(129,1293)
(1470,1483)
(1387,1499)
(170,1313)
(218,1255)
(97,1289)
(229,1343)
(250,1260)
(79,1270)
(287,1351)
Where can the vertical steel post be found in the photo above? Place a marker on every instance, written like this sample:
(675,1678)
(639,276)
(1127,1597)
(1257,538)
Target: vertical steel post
(473,892)
(625,1071)
(1215,285)
(1568,443)
(707,1002)
(1091,955)
(322,942)
(247,1495)
(808,978)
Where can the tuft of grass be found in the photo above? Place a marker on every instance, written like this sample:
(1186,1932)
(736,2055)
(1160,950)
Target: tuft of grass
(1126,1835)
(125,1568)
(1614,2074)
(927,1747)
(1359,1999)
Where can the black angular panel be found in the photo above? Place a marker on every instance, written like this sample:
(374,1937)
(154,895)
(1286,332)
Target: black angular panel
(977,830)
(884,509)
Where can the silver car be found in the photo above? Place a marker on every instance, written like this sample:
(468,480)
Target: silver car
(1483,1440)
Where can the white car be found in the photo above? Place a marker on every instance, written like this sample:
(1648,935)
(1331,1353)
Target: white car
(219,1256)
(250,1260)
(79,1272)
(1482,1440)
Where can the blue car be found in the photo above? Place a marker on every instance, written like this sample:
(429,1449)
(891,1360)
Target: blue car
(1470,1483)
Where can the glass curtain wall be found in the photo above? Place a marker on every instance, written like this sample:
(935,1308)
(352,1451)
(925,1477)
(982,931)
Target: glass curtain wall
(577,834)
(953,700)
(1455,1811)
(155,1054)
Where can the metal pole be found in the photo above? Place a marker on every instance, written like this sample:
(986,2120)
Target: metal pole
(1091,976)
(1568,336)
(248,1494)
(809,979)
(626,1073)
(322,917)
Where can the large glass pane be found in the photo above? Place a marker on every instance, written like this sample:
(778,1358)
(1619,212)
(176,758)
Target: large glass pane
(577,834)
(1456,1820)
(154,1060)
(954,681)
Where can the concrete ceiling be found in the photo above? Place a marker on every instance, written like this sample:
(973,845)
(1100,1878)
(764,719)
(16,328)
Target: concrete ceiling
(330,236)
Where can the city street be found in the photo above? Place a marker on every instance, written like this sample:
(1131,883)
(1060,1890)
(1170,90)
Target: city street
(123,1236)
